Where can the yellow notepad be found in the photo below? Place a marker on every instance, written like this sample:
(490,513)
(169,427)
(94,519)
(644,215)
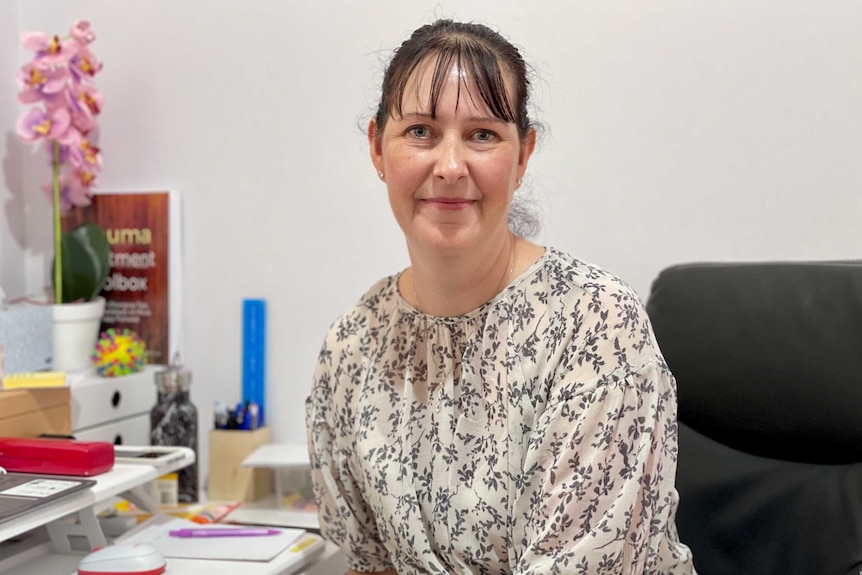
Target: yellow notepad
(35,379)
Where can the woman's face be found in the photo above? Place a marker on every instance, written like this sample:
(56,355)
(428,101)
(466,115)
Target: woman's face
(451,178)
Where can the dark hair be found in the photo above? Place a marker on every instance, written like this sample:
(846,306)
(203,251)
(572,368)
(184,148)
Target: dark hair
(476,49)
(481,52)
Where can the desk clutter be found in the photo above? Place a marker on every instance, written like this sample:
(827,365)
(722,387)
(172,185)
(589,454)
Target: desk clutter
(237,544)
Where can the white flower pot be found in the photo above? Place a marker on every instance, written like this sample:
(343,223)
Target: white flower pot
(76,330)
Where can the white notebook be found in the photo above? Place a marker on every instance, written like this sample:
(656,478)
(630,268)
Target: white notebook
(259,548)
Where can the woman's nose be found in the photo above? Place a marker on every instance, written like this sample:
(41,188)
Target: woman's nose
(451,163)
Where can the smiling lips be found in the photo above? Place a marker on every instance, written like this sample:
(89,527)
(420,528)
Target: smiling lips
(448,203)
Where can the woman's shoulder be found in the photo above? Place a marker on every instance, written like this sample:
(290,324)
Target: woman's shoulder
(578,279)
(375,305)
(599,311)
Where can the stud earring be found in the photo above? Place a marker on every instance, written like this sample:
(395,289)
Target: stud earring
(380,175)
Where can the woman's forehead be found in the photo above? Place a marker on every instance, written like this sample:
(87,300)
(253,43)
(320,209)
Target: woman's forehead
(457,78)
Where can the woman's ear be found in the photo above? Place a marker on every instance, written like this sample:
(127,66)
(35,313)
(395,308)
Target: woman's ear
(375,147)
(527,147)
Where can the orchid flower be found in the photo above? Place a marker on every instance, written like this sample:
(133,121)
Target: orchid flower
(84,64)
(81,32)
(49,49)
(84,104)
(57,83)
(84,156)
(37,124)
(39,81)
(71,194)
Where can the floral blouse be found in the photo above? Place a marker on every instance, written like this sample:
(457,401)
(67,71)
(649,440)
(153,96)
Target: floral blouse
(534,435)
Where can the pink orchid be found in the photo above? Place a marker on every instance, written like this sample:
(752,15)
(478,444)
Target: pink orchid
(71,194)
(84,64)
(84,178)
(84,156)
(57,82)
(50,49)
(63,151)
(39,81)
(37,124)
(81,32)
(84,104)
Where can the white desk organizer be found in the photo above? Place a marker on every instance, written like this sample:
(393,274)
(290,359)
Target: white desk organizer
(75,517)
(113,409)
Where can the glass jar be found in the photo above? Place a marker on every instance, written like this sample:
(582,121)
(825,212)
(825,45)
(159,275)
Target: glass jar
(174,421)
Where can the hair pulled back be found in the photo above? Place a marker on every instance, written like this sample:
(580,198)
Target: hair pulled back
(483,54)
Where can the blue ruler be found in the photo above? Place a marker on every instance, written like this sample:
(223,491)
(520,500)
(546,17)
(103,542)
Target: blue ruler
(254,353)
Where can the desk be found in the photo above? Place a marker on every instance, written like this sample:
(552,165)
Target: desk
(45,552)
(330,562)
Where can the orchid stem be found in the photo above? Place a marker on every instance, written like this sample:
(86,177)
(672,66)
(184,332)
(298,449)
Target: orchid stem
(58,231)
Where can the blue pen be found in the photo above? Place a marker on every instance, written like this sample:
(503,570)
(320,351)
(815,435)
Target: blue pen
(240,532)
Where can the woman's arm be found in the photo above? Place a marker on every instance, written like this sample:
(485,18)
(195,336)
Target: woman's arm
(597,489)
(344,516)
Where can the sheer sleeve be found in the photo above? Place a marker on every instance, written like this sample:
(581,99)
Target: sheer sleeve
(344,516)
(597,486)
(595,492)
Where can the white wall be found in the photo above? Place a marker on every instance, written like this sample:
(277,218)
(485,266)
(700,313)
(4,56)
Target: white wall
(12,240)
(677,131)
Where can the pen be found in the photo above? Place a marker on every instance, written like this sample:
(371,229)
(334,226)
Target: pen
(240,532)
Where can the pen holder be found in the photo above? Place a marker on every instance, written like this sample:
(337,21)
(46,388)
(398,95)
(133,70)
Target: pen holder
(228,479)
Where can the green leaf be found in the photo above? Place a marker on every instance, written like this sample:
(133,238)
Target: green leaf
(86,262)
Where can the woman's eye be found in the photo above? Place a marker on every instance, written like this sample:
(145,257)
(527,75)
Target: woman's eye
(418,131)
(484,135)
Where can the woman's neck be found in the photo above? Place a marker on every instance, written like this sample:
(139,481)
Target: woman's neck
(450,286)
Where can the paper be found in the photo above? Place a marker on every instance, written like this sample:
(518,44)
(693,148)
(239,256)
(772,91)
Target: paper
(262,548)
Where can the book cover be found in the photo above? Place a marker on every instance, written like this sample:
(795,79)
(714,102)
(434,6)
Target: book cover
(142,288)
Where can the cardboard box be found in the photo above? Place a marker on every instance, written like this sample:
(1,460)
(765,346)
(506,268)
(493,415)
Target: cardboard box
(32,412)
(228,479)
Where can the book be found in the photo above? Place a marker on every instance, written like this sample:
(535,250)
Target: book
(142,290)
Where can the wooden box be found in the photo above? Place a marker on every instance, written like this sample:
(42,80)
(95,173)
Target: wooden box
(32,412)
(228,479)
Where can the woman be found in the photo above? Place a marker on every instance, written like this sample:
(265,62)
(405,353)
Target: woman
(498,407)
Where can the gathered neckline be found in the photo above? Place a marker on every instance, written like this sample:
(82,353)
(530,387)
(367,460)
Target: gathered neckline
(472,314)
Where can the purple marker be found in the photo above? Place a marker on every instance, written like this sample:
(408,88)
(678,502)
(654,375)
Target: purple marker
(239,532)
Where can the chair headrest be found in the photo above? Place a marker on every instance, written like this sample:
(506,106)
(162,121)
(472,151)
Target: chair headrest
(767,356)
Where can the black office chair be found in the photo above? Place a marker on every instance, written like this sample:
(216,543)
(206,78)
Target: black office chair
(768,362)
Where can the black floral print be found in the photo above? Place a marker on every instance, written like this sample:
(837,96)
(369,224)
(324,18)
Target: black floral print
(534,435)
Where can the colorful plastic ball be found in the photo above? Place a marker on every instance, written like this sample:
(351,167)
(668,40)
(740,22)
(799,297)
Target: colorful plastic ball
(119,352)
